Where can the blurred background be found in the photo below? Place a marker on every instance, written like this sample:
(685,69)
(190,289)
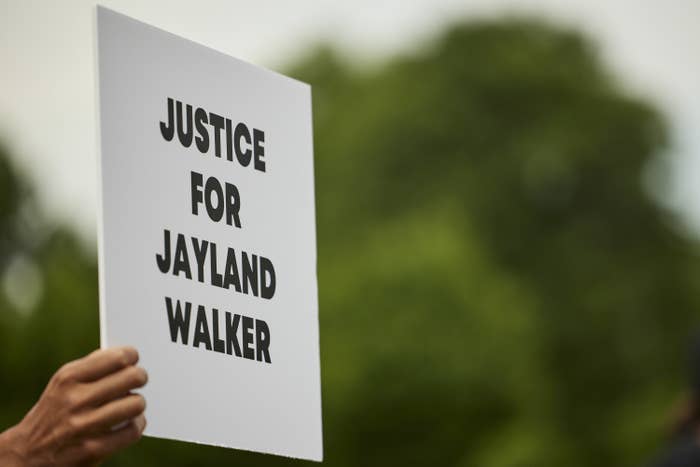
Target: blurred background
(508,215)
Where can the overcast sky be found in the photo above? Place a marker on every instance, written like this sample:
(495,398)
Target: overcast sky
(47,81)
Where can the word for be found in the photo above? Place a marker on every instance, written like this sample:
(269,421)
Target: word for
(217,199)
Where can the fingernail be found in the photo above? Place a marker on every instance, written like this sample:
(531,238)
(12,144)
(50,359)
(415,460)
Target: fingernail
(141,423)
(132,353)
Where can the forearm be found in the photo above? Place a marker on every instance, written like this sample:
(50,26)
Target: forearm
(10,449)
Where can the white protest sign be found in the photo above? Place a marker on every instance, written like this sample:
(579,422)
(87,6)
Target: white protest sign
(207,244)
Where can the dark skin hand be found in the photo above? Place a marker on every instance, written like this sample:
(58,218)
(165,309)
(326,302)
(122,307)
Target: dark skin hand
(86,413)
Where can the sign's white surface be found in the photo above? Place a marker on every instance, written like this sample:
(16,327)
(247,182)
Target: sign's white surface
(207,246)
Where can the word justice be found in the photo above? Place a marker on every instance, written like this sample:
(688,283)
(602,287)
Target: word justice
(247,146)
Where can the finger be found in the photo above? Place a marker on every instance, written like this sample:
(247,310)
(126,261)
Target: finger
(99,447)
(113,413)
(103,362)
(116,385)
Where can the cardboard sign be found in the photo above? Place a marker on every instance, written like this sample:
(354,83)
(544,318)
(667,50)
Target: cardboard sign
(207,245)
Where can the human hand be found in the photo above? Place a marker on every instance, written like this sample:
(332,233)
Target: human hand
(86,413)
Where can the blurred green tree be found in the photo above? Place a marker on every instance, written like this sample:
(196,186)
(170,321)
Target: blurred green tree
(48,296)
(497,287)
